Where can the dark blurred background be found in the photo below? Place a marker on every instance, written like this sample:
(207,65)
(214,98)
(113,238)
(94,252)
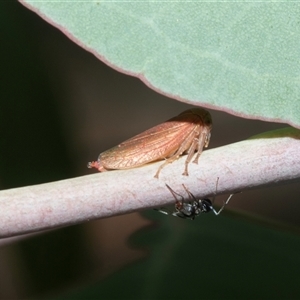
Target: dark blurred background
(59,108)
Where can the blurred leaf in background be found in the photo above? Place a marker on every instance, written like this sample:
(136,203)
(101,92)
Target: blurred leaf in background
(210,258)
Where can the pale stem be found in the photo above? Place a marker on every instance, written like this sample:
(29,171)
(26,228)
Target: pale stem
(269,159)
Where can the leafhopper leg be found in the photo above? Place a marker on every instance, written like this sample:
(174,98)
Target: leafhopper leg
(183,147)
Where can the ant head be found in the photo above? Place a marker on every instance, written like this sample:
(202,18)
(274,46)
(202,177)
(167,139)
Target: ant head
(205,206)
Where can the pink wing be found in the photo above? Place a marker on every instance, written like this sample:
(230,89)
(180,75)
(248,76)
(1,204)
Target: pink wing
(154,144)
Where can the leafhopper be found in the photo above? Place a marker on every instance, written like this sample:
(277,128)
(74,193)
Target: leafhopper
(189,133)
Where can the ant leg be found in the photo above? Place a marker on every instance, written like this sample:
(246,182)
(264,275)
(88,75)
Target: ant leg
(177,202)
(191,196)
(163,211)
(224,203)
(218,212)
(174,195)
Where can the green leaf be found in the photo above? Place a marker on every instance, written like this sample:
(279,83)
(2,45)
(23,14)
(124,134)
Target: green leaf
(242,58)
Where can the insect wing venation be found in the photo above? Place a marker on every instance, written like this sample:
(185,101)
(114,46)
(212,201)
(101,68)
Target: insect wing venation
(153,144)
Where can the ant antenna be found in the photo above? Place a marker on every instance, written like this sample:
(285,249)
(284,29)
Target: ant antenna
(224,202)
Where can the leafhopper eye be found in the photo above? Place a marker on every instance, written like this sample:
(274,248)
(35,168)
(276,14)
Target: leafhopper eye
(189,132)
